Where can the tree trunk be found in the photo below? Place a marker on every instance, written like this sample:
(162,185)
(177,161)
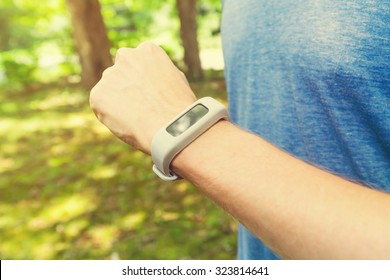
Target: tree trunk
(91,40)
(188,33)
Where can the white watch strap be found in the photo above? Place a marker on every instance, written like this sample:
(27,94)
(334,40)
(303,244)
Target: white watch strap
(165,145)
(171,177)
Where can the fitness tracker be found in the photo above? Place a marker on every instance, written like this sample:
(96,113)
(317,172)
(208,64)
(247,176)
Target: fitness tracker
(181,131)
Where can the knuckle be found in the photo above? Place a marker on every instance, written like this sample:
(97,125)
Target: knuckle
(147,45)
(107,71)
(122,53)
(123,50)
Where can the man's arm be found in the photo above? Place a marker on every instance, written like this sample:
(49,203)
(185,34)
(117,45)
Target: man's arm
(298,210)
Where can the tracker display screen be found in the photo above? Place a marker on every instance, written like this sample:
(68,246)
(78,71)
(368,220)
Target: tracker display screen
(187,120)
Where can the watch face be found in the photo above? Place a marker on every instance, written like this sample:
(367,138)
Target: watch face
(187,120)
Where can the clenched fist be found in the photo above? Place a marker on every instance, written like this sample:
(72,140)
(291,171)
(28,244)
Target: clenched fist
(139,94)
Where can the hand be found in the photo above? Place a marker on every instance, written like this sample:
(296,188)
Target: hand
(139,94)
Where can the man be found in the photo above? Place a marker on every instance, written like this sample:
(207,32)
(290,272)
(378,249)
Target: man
(312,78)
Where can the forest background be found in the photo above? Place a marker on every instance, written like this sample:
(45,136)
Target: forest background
(68,188)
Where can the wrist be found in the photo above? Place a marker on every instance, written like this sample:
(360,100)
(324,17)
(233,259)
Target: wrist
(187,163)
(182,131)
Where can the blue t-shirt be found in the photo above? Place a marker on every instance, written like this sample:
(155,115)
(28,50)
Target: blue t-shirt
(313,78)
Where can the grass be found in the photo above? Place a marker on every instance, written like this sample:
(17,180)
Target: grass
(71,190)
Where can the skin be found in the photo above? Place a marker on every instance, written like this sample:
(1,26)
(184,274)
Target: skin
(300,211)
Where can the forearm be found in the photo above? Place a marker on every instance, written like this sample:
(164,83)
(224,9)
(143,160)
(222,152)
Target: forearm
(298,210)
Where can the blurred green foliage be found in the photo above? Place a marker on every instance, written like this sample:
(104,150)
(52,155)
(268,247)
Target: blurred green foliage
(68,188)
(36,43)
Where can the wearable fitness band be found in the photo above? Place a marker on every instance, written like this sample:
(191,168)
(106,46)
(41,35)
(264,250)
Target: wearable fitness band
(183,130)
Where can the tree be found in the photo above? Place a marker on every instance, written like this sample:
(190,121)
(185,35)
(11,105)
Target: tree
(188,33)
(91,40)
